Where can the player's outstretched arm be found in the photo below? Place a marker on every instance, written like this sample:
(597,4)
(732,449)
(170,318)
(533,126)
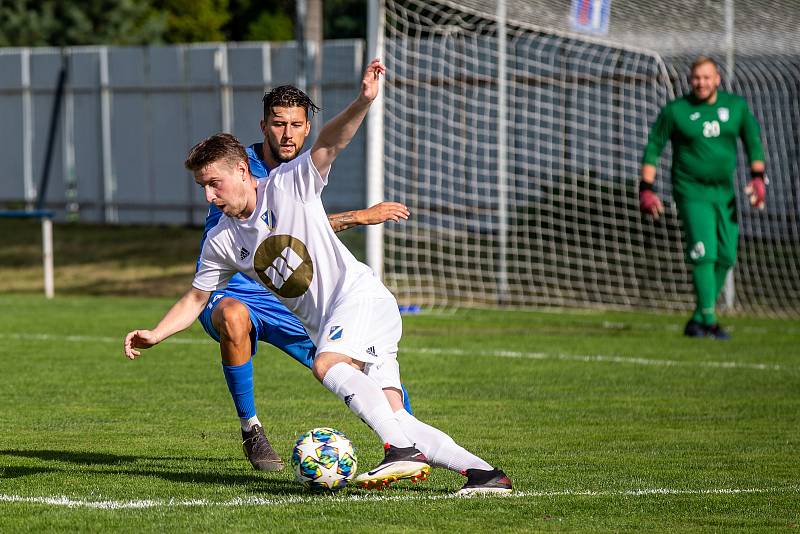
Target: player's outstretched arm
(179,317)
(649,203)
(339,131)
(377,214)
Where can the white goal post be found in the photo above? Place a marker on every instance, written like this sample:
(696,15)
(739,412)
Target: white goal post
(516,142)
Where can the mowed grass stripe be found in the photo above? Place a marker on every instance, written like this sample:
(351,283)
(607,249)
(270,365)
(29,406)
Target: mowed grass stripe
(593,358)
(68,502)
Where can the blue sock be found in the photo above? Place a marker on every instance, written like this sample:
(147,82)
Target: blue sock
(240,384)
(406,401)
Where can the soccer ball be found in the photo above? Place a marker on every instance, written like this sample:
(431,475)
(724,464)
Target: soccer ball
(324,459)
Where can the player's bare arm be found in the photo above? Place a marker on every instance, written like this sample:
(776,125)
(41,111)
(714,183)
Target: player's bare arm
(339,131)
(178,318)
(377,214)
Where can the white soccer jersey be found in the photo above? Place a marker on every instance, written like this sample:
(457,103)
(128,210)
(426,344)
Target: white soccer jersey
(288,246)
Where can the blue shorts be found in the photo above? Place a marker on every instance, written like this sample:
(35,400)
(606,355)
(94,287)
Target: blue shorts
(272,323)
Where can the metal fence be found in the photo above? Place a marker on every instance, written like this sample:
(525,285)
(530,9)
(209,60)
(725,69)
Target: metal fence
(130,114)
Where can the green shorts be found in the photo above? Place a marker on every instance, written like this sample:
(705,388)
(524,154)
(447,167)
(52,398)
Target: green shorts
(711,230)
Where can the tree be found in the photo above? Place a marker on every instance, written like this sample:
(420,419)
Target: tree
(190,21)
(75,22)
(345,19)
(261,20)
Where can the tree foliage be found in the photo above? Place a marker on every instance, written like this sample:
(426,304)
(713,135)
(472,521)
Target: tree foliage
(73,22)
(142,22)
(261,20)
(190,21)
(345,19)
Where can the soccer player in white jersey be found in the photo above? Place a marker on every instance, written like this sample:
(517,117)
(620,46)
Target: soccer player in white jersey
(245,312)
(276,232)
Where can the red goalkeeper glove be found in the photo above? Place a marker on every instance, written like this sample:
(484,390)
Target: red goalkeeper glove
(649,203)
(756,190)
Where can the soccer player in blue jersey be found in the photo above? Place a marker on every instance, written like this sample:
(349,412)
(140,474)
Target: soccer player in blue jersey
(245,312)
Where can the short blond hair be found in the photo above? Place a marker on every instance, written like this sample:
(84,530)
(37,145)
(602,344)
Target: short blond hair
(702,60)
(221,146)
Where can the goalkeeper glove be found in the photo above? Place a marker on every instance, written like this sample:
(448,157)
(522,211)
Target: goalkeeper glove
(649,203)
(756,189)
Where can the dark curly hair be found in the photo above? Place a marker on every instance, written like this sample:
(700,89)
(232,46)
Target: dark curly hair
(288,96)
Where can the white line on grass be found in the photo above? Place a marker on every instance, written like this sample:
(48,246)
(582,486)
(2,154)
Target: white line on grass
(68,502)
(595,358)
(601,359)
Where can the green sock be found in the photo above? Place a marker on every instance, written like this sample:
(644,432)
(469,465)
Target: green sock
(721,274)
(705,291)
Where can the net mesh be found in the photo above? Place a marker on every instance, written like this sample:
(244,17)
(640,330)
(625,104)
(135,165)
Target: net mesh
(561,226)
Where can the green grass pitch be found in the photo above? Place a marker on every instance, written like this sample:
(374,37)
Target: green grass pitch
(606,421)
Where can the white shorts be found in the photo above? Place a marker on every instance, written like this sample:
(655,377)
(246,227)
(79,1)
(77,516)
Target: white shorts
(366,329)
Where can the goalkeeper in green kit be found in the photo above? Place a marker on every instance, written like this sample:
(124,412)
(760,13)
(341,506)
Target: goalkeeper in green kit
(703,127)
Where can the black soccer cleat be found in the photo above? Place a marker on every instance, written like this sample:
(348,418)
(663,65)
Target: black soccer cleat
(258,450)
(398,464)
(716,331)
(484,482)
(694,329)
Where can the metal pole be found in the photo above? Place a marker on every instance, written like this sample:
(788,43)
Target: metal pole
(109,182)
(225,90)
(68,162)
(266,66)
(27,128)
(55,115)
(300,39)
(47,256)
(729,289)
(502,154)
(313,44)
(375,26)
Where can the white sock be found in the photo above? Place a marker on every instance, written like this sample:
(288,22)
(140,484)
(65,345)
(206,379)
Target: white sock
(440,448)
(247,424)
(366,399)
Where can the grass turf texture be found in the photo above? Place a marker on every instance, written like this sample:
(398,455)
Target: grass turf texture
(605,421)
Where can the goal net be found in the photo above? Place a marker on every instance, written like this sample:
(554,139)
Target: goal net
(516,140)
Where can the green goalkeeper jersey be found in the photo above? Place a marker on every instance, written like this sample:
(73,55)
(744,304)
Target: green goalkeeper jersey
(703,139)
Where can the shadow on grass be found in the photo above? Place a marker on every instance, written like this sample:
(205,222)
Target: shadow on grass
(22,471)
(263,482)
(82,458)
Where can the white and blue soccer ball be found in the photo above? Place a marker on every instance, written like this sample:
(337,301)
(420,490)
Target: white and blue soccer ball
(324,459)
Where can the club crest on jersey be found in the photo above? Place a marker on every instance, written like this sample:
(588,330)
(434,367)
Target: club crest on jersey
(269,219)
(694,116)
(336,333)
(698,251)
(724,114)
